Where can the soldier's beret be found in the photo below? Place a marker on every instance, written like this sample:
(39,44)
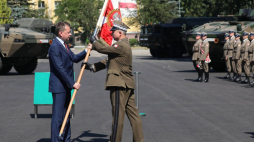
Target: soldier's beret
(237,35)
(204,34)
(118,25)
(226,35)
(245,34)
(198,34)
(231,31)
(251,33)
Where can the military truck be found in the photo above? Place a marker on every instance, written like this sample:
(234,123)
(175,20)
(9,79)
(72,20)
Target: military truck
(164,40)
(21,47)
(215,35)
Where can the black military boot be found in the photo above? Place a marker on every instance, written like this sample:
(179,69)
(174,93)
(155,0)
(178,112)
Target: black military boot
(227,76)
(247,80)
(206,77)
(238,79)
(201,75)
(233,77)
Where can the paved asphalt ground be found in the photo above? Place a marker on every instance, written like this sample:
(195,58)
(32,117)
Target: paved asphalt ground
(178,109)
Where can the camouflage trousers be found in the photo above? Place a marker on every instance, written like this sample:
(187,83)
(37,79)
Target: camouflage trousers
(204,66)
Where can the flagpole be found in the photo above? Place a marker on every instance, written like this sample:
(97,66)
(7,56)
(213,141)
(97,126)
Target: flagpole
(99,22)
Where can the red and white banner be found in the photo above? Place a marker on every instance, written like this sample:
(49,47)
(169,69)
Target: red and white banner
(128,8)
(110,14)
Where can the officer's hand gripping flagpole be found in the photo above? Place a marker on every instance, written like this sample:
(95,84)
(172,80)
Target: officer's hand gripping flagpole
(98,26)
(73,96)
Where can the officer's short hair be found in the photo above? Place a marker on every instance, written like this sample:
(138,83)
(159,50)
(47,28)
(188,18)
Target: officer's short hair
(60,26)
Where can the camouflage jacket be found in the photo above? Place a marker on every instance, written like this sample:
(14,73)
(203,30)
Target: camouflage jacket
(196,49)
(237,50)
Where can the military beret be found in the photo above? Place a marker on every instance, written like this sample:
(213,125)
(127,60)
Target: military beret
(245,34)
(118,25)
(251,34)
(226,35)
(204,34)
(198,34)
(231,31)
(237,35)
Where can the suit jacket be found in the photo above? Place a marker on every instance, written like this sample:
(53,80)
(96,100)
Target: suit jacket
(61,67)
(225,48)
(231,47)
(244,48)
(196,49)
(237,50)
(119,64)
(205,48)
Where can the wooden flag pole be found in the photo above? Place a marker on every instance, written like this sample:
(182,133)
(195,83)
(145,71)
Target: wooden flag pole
(74,94)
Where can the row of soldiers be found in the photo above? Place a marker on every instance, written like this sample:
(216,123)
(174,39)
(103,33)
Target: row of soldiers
(200,56)
(239,54)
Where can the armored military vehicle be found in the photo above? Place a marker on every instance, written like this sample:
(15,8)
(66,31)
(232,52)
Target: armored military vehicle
(21,47)
(215,35)
(164,40)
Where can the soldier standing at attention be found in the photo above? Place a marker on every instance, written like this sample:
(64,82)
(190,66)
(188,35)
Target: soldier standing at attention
(225,55)
(196,51)
(119,81)
(204,51)
(250,55)
(230,49)
(244,48)
(236,62)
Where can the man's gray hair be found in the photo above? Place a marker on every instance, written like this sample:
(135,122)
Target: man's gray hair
(60,26)
(123,32)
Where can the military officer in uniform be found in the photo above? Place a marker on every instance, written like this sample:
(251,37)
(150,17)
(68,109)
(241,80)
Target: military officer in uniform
(250,61)
(244,48)
(119,81)
(196,51)
(230,50)
(204,51)
(225,55)
(236,56)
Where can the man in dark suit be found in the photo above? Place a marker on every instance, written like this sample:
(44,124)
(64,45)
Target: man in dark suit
(61,80)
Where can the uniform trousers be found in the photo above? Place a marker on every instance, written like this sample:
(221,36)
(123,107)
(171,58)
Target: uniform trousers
(204,66)
(228,64)
(239,66)
(123,101)
(59,108)
(195,62)
(234,64)
(249,66)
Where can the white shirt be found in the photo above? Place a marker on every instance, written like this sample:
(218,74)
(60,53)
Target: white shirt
(61,41)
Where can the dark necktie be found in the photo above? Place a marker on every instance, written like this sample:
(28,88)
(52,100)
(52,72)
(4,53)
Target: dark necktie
(66,47)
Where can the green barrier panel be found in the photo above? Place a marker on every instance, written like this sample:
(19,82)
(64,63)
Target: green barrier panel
(41,94)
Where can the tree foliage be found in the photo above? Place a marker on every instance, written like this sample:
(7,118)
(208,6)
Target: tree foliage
(81,13)
(212,8)
(154,11)
(5,13)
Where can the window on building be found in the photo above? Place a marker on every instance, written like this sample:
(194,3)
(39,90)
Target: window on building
(57,3)
(41,4)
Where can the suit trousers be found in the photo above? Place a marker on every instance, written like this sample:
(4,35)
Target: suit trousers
(204,65)
(59,108)
(123,101)
(228,64)
(195,62)
(234,64)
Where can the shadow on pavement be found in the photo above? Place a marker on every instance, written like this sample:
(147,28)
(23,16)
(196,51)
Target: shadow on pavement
(88,134)
(41,116)
(183,59)
(250,133)
(15,74)
(192,80)
(44,140)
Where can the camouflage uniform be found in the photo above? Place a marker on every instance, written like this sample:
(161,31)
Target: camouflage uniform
(236,62)
(195,55)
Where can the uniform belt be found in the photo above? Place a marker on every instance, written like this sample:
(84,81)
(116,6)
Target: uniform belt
(250,52)
(230,49)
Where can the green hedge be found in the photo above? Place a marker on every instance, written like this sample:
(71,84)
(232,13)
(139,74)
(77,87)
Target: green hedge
(133,42)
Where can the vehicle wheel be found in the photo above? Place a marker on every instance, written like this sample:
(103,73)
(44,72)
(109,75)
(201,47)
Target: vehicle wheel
(161,53)
(176,51)
(4,69)
(218,67)
(152,52)
(28,67)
